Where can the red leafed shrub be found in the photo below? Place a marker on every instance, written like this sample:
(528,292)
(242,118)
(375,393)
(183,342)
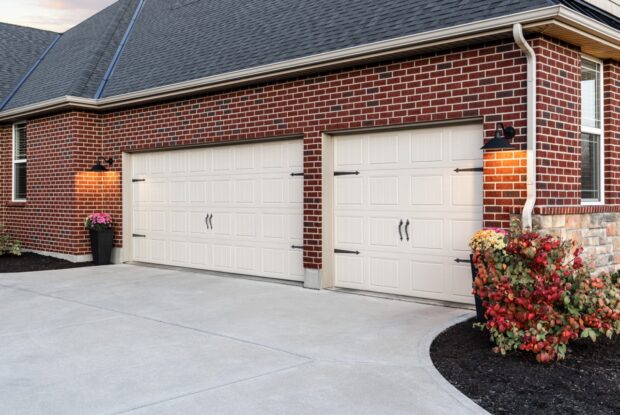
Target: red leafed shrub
(539,295)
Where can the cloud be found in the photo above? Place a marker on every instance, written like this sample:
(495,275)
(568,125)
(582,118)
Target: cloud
(91,5)
(55,15)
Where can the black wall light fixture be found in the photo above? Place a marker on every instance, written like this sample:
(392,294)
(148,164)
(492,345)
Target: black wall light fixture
(99,167)
(500,142)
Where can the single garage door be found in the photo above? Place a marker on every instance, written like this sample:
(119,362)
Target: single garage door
(406,204)
(235,209)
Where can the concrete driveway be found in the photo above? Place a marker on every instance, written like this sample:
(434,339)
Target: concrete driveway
(140,340)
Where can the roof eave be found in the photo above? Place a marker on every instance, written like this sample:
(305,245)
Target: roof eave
(501,26)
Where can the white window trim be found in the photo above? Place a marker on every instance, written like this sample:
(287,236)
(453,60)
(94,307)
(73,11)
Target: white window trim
(14,162)
(598,131)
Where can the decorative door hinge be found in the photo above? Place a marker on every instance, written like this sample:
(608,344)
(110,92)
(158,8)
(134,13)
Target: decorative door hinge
(462,261)
(346,173)
(138,180)
(344,251)
(135,235)
(480,169)
(297,247)
(297,175)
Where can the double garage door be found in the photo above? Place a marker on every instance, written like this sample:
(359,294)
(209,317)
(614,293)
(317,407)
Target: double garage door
(404,204)
(234,209)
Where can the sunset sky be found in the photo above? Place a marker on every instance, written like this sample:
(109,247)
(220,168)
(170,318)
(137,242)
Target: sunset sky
(54,15)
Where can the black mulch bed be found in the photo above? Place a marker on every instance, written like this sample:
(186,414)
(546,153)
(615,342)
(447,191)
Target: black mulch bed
(32,262)
(587,382)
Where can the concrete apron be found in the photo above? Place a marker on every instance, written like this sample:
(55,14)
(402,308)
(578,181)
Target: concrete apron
(130,339)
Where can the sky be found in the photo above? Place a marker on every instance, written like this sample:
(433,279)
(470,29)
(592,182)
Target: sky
(54,15)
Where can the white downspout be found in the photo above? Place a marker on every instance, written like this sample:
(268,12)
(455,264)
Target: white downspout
(531,125)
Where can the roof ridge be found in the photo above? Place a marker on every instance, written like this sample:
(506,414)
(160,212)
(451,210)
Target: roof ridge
(119,49)
(22,81)
(98,51)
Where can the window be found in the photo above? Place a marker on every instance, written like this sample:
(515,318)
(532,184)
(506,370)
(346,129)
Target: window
(19,162)
(591,132)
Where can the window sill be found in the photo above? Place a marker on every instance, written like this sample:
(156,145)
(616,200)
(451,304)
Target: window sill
(16,204)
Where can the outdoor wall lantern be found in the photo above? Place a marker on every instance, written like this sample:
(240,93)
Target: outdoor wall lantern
(500,142)
(99,167)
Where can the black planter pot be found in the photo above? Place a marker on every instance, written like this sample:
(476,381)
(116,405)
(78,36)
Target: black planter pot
(101,243)
(479,308)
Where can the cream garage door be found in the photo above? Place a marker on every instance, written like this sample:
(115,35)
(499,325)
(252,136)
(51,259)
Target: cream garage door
(406,203)
(235,209)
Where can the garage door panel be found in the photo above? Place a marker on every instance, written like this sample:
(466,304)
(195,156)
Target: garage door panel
(462,230)
(178,162)
(349,151)
(295,265)
(245,191)
(158,222)
(384,191)
(244,158)
(384,272)
(427,234)
(427,190)
(384,150)
(296,228)
(427,146)
(465,144)
(198,161)
(349,191)
(221,191)
(177,222)
(427,277)
(255,203)
(443,208)
(349,230)
(382,232)
(222,159)
(467,190)
(350,271)
(158,164)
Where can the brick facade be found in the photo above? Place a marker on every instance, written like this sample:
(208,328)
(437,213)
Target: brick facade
(485,82)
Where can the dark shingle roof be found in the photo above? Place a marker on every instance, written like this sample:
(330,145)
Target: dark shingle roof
(78,61)
(20,48)
(182,40)
(174,43)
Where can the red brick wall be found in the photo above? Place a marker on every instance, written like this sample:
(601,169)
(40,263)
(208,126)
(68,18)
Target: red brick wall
(59,147)
(559,124)
(505,189)
(612,132)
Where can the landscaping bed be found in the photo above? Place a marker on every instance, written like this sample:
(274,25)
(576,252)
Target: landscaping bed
(587,382)
(32,262)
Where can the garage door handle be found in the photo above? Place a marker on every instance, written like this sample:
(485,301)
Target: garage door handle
(400,229)
(211,221)
(407,229)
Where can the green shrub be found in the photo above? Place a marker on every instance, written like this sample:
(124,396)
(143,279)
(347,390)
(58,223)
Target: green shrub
(539,295)
(8,245)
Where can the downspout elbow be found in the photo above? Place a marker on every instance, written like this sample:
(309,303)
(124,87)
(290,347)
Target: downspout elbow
(528,208)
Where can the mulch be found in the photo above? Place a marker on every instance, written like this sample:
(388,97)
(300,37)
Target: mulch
(587,382)
(28,262)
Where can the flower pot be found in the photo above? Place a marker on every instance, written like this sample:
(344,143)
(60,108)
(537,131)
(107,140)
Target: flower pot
(101,243)
(479,307)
